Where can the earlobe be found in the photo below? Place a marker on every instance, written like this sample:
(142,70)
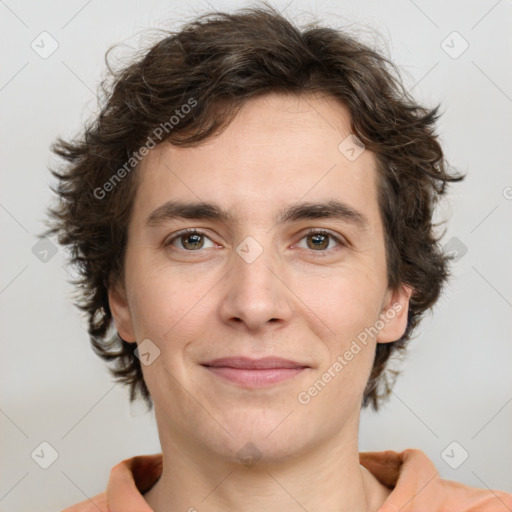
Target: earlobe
(121,313)
(394,315)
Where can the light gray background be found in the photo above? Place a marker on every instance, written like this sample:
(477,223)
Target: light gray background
(456,384)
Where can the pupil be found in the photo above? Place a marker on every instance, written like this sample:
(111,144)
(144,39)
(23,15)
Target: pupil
(192,240)
(319,240)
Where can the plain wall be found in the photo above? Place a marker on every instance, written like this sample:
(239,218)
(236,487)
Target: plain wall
(456,384)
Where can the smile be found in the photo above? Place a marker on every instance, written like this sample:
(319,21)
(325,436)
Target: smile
(253,378)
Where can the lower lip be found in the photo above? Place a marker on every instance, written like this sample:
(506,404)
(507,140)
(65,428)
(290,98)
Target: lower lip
(255,378)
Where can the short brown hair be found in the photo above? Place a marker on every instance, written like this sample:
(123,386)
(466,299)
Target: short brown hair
(215,63)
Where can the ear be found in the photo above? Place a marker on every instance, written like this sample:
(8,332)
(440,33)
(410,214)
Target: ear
(121,312)
(394,314)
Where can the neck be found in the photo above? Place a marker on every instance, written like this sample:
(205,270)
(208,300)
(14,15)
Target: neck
(327,478)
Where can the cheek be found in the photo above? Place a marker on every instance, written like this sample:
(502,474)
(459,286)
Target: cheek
(344,303)
(163,299)
(170,313)
(346,310)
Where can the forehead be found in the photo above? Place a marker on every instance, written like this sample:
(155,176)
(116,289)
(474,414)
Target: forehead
(279,150)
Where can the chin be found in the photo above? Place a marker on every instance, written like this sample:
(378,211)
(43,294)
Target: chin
(261,442)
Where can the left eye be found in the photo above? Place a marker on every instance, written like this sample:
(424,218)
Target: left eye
(320,240)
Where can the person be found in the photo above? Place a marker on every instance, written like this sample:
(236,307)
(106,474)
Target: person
(251,217)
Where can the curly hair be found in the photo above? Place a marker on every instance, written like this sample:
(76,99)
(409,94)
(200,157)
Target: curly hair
(212,66)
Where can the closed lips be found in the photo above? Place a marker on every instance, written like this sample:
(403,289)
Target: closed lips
(254,364)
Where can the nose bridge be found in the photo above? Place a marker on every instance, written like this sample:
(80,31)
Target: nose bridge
(252,263)
(256,292)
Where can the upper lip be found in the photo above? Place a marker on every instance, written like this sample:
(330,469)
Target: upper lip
(254,364)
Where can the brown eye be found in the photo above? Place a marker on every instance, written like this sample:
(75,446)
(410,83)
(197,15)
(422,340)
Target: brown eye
(318,241)
(193,241)
(321,241)
(190,240)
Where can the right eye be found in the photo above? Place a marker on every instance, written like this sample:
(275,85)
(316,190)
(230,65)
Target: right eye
(190,240)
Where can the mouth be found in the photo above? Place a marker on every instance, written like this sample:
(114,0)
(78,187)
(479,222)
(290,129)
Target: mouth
(253,373)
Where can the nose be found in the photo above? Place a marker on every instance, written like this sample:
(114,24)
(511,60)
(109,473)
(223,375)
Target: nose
(256,295)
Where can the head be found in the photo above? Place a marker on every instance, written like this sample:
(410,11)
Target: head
(308,178)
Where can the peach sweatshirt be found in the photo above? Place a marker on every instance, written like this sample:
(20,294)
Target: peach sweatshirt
(413,478)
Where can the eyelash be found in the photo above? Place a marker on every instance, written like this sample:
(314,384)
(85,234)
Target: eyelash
(196,231)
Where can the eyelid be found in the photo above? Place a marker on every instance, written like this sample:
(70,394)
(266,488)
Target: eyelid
(340,240)
(174,236)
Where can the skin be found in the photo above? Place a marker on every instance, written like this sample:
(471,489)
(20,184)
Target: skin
(297,301)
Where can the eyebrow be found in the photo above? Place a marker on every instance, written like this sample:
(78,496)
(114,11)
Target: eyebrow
(332,209)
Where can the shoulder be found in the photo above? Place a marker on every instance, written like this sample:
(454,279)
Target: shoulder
(126,482)
(417,485)
(473,499)
(97,504)
(446,495)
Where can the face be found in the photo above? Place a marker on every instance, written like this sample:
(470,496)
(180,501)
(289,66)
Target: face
(259,272)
